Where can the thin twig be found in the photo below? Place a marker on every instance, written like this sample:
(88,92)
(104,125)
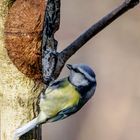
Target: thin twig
(96,28)
(63,56)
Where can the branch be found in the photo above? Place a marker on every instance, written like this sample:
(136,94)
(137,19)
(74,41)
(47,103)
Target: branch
(96,28)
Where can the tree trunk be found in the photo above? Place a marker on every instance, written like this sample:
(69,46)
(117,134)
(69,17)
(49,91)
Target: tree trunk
(18,93)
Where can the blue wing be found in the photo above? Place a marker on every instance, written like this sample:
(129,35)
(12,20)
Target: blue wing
(64,114)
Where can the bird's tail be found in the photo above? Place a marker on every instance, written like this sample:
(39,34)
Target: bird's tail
(24,129)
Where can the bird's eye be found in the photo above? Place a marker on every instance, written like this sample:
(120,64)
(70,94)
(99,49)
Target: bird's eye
(76,70)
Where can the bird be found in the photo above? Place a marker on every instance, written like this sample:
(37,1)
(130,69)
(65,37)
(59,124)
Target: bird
(63,97)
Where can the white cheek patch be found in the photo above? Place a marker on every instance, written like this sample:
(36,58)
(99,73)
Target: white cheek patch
(78,79)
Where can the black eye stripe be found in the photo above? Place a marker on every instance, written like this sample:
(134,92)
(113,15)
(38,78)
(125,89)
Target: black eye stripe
(76,70)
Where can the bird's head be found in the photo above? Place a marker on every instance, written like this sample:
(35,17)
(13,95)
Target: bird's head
(82,77)
(81,74)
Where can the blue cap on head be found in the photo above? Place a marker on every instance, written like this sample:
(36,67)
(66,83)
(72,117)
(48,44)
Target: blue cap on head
(85,69)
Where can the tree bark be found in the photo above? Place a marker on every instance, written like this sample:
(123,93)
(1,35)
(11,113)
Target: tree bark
(18,92)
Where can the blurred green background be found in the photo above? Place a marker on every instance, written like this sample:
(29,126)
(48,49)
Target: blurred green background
(114,111)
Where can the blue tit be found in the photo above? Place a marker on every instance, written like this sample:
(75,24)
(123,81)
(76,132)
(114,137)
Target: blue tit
(64,97)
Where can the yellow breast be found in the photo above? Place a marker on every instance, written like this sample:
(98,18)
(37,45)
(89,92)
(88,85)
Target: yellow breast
(59,99)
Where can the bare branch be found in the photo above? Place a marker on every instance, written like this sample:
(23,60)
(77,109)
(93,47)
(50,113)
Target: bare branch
(96,28)
(63,56)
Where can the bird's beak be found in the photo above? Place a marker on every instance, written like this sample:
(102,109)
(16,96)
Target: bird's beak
(69,66)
